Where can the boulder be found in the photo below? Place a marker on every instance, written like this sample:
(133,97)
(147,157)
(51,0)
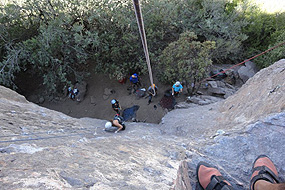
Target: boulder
(212,99)
(221,84)
(217,91)
(221,89)
(201,100)
(247,71)
(213,84)
(193,99)
(183,105)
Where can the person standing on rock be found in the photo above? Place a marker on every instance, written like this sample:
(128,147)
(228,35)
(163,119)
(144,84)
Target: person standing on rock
(177,88)
(115,125)
(134,79)
(116,106)
(151,92)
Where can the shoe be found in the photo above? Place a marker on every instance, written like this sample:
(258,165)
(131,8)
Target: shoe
(263,169)
(210,178)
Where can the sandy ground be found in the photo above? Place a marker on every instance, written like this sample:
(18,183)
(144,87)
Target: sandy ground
(102,108)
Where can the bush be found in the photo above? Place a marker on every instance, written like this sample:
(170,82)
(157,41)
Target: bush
(55,54)
(219,21)
(186,60)
(264,31)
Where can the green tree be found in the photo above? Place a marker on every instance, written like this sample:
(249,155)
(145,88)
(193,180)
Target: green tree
(59,48)
(219,21)
(265,31)
(57,54)
(58,40)
(120,51)
(186,60)
(274,55)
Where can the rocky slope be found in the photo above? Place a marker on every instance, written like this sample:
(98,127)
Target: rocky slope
(44,149)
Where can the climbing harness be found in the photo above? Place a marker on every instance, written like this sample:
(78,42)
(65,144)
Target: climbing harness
(143,38)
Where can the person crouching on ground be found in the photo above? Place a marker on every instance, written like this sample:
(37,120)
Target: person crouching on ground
(116,106)
(151,92)
(115,125)
(177,89)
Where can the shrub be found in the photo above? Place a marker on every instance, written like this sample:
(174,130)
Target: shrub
(186,60)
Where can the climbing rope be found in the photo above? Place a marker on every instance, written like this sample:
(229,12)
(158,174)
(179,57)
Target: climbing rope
(143,38)
(44,135)
(43,138)
(242,62)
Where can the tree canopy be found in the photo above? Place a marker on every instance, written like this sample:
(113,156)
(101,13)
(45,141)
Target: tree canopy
(186,60)
(59,41)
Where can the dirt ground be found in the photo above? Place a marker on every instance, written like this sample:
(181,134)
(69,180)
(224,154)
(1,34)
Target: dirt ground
(95,106)
(102,108)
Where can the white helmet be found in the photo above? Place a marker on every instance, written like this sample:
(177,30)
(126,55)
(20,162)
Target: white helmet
(108,124)
(177,83)
(113,101)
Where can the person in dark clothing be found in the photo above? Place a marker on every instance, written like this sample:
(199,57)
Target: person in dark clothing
(151,92)
(116,106)
(115,125)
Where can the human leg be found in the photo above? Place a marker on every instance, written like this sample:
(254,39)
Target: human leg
(210,178)
(264,175)
(265,185)
(149,98)
(176,93)
(135,87)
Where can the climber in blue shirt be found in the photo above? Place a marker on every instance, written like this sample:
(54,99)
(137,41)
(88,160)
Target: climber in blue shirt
(177,88)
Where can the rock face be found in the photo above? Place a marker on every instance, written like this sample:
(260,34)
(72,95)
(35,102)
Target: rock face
(252,123)
(44,149)
(260,96)
(182,181)
(203,99)
(234,152)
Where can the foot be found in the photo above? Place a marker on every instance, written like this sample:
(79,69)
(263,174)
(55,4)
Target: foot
(210,178)
(263,169)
